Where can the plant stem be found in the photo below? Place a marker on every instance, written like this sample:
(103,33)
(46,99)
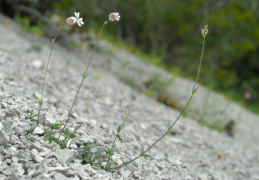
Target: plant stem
(46,70)
(71,109)
(176,118)
(114,142)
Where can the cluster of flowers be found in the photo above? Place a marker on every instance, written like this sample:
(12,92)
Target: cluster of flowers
(75,19)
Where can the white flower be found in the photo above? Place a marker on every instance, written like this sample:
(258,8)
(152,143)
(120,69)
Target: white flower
(75,19)
(114,16)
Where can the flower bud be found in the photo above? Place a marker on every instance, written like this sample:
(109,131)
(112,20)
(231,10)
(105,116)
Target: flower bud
(114,16)
(71,21)
(75,19)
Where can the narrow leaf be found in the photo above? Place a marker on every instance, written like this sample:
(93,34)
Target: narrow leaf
(40,102)
(99,151)
(194,90)
(41,121)
(173,131)
(142,149)
(119,129)
(100,161)
(145,155)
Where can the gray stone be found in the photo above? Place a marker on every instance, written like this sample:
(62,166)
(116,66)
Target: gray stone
(17,169)
(202,177)
(37,146)
(90,170)
(3,177)
(4,169)
(35,156)
(4,105)
(50,120)
(2,116)
(66,155)
(4,139)
(11,113)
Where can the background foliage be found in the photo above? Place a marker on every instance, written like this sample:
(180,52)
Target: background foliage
(170,29)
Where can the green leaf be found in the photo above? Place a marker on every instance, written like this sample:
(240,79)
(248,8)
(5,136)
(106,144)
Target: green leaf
(40,102)
(80,154)
(84,75)
(99,151)
(119,129)
(145,155)
(172,131)
(41,121)
(56,125)
(100,161)
(72,135)
(169,126)
(77,127)
(194,90)
(142,149)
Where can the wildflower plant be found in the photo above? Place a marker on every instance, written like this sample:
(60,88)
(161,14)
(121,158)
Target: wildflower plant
(112,17)
(143,152)
(101,157)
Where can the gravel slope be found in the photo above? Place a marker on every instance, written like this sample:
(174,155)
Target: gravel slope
(194,153)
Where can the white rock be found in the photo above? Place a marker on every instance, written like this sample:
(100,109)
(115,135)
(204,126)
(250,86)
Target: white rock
(4,139)
(1,126)
(4,169)
(136,174)
(17,168)
(67,155)
(35,156)
(14,159)
(37,63)
(59,176)
(202,177)
(2,116)
(4,105)
(37,146)
(11,113)
(90,170)
(50,120)
(38,130)
(12,149)
(143,126)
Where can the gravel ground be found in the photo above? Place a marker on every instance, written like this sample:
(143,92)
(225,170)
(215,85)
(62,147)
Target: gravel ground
(195,153)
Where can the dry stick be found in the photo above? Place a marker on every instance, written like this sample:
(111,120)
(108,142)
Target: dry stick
(46,70)
(84,76)
(193,92)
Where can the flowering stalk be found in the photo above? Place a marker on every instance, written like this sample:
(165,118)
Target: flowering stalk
(84,76)
(204,32)
(43,85)
(79,21)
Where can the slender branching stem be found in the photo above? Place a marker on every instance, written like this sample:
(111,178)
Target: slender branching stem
(193,92)
(84,76)
(46,70)
(115,140)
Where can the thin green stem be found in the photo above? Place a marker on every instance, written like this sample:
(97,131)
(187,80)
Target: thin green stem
(176,118)
(46,70)
(71,109)
(202,51)
(114,142)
